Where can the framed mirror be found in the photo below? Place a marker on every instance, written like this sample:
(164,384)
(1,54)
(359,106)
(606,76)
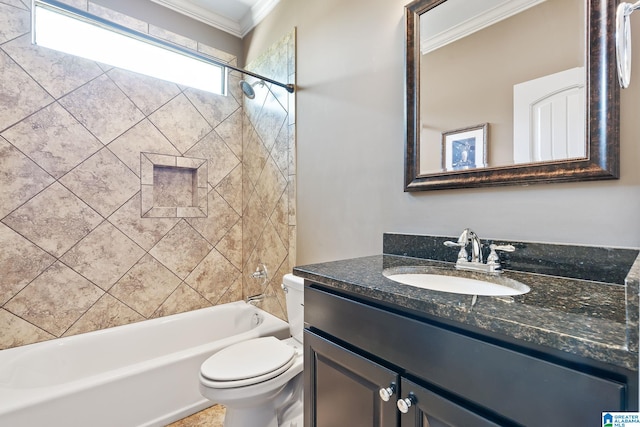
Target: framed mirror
(508,92)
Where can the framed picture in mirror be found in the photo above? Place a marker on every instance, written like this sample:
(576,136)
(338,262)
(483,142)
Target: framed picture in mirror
(465,148)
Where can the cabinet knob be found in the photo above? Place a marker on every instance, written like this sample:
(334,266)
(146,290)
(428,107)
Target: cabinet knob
(386,393)
(405,404)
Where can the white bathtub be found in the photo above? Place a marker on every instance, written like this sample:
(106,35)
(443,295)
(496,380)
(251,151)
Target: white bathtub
(143,374)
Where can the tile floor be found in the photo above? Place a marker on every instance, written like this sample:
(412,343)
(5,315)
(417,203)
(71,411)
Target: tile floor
(210,417)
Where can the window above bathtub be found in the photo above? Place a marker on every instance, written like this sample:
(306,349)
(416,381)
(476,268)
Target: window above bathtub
(64,28)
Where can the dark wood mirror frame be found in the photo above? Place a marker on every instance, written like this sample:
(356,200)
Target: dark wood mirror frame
(603,103)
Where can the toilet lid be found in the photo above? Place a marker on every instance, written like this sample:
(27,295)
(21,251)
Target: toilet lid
(259,358)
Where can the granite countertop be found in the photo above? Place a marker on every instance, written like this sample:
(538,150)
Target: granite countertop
(591,319)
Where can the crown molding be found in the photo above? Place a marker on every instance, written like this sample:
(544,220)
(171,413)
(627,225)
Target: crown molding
(476,23)
(259,11)
(239,29)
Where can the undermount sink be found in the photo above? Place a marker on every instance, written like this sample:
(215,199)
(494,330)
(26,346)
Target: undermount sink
(432,280)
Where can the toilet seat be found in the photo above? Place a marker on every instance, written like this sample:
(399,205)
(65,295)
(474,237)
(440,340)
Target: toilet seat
(248,362)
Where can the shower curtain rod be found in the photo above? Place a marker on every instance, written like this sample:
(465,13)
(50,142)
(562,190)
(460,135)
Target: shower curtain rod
(90,18)
(288,86)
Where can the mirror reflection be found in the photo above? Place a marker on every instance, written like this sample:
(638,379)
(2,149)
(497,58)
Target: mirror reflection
(502,82)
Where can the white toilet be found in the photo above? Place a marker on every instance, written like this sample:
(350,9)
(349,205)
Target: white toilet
(259,381)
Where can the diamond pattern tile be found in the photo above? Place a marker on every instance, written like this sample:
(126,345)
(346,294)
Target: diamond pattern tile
(103,182)
(103,256)
(53,139)
(14,21)
(184,298)
(147,93)
(248,188)
(55,220)
(214,108)
(221,160)
(280,150)
(268,250)
(106,313)
(228,131)
(145,286)
(270,185)
(57,72)
(146,232)
(234,293)
(254,157)
(269,175)
(20,178)
(230,188)
(20,98)
(270,120)
(17,332)
(181,123)
(230,246)
(102,108)
(271,303)
(182,249)
(220,220)
(280,218)
(213,277)
(20,262)
(254,220)
(142,138)
(55,300)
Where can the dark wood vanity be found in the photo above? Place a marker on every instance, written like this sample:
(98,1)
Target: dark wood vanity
(455,360)
(451,375)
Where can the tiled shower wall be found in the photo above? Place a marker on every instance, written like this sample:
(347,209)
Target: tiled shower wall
(77,255)
(269,215)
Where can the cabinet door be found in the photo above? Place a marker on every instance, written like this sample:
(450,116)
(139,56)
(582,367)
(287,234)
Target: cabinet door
(428,409)
(342,388)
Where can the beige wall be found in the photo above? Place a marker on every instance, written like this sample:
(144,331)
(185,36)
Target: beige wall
(350,134)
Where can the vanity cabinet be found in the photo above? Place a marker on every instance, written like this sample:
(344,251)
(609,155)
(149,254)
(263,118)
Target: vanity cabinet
(346,385)
(346,392)
(450,376)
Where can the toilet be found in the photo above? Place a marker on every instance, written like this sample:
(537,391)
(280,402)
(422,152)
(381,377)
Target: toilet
(259,381)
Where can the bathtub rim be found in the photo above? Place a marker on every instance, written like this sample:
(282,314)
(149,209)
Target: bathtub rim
(17,399)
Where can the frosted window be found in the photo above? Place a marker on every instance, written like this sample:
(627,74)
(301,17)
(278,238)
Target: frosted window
(78,35)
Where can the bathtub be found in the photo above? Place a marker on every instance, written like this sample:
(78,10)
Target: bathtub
(143,374)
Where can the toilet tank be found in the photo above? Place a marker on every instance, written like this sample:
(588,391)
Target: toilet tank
(294,290)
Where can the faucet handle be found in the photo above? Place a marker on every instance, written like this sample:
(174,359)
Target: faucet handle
(493,256)
(463,252)
(503,248)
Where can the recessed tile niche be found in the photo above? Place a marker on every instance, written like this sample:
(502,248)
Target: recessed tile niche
(173,187)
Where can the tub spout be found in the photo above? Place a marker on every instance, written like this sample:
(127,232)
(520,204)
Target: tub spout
(255,299)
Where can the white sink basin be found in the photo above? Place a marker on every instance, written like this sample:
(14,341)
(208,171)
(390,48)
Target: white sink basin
(500,286)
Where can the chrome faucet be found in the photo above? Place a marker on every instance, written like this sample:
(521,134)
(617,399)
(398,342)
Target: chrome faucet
(476,263)
(467,237)
(262,274)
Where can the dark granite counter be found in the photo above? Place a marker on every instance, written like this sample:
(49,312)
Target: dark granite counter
(592,319)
